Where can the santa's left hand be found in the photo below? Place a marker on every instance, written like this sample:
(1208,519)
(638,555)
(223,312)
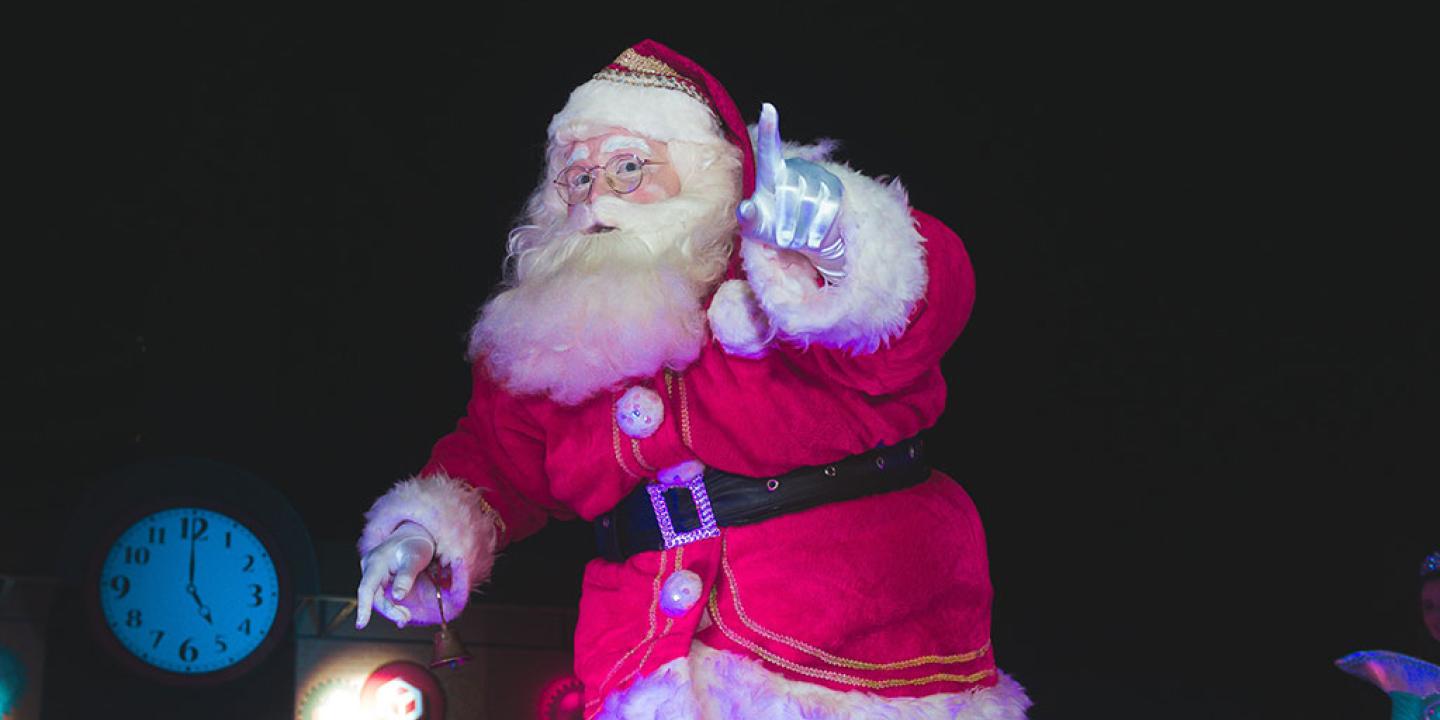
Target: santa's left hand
(796,203)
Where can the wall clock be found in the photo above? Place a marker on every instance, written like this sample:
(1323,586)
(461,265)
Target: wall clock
(191,592)
(126,631)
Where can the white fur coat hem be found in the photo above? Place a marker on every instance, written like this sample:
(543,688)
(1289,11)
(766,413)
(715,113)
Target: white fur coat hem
(713,684)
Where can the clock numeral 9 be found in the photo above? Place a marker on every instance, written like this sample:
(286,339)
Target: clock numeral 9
(136,556)
(255,590)
(188,653)
(121,585)
(132,619)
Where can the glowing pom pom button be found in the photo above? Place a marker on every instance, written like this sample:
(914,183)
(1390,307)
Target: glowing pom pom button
(639,412)
(680,592)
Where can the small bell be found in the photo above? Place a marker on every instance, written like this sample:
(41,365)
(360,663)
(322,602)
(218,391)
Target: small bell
(449,649)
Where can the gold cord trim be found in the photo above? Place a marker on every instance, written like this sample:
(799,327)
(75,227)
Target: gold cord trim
(654,605)
(619,456)
(684,415)
(831,675)
(639,457)
(821,654)
(494,515)
(669,623)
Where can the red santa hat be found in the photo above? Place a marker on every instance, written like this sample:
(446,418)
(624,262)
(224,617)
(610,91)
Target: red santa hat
(659,93)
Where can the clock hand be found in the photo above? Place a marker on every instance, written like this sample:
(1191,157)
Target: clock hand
(190,588)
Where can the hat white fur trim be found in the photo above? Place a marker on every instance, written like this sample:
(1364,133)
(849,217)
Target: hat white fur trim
(713,684)
(653,112)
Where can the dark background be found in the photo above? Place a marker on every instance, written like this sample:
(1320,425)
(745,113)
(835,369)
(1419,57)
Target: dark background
(1195,403)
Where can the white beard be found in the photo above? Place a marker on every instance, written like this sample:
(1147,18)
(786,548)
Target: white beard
(583,313)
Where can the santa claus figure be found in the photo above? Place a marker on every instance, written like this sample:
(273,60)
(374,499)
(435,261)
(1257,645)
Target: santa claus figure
(724,358)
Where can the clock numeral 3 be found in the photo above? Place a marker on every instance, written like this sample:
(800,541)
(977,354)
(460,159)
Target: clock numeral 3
(255,590)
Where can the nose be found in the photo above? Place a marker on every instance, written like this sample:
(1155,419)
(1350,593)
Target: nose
(598,187)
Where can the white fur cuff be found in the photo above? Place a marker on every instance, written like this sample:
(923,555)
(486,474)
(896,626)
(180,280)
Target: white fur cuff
(464,531)
(884,266)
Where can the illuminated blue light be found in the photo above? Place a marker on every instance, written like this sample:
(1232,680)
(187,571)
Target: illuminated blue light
(12,680)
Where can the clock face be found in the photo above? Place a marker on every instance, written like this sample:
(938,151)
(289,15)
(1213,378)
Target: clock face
(189,590)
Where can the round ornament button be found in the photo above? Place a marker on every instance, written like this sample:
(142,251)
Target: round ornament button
(680,592)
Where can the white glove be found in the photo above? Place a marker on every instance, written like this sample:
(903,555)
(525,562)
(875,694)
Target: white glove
(395,564)
(796,202)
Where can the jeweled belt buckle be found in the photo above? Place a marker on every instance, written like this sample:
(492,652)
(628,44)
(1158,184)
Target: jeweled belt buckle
(707,529)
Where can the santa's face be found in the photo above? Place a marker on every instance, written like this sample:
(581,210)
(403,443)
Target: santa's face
(659,179)
(1430,607)
(605,282)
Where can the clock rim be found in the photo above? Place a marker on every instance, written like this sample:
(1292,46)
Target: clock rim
(126,519)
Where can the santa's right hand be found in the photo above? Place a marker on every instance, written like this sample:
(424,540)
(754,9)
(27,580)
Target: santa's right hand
(389,571)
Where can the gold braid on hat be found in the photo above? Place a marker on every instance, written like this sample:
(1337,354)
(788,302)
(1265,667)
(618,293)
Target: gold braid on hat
(632,68)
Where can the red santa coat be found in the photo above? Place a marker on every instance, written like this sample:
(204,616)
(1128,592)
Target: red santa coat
(867,601)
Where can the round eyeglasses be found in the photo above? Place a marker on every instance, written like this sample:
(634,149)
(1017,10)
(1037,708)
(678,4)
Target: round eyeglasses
(623,173)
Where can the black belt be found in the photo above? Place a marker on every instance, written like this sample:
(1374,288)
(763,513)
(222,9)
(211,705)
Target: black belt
(634,525)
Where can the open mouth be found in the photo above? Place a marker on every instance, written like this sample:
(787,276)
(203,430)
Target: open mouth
(598,228)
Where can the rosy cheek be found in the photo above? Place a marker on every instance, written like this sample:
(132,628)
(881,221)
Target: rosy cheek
(649,193)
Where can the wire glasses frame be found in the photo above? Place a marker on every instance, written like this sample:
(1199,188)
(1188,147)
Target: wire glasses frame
(623,173)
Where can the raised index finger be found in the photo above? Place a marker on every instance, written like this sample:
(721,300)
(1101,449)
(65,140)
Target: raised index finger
(769,158)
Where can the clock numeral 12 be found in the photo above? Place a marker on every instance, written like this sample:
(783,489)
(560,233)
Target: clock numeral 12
(193,528)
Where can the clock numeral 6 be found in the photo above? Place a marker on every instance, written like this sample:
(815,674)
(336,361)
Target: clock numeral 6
(188,652)
(121,585)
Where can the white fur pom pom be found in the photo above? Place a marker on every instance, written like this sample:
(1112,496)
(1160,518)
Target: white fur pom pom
(737,321)
(639,412)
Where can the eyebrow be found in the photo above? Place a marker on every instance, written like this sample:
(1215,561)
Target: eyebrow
(623,141)
(579,153)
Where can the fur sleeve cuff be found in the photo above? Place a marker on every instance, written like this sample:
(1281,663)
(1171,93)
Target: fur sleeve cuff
(465,535)
(884,266)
